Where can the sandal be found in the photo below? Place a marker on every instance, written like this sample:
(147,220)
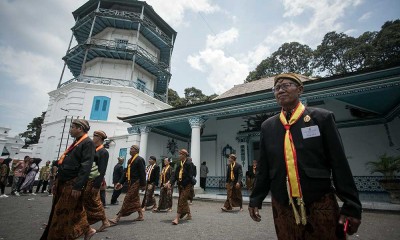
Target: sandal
(138,219)
(113,222)
(104,226)
(89,234)
(224,209)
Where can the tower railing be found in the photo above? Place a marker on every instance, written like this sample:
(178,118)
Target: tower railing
(124,47)
(116,82)
(132,16)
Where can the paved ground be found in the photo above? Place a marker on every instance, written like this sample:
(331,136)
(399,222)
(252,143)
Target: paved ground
(22,218)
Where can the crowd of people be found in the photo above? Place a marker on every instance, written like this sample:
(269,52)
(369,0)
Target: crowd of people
(302,163)
(21,176)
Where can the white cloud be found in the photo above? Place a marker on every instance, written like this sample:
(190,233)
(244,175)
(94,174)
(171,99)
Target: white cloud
(365,17)
(173,11)
(224,71)
(320,16)
(222,39)
(29,69)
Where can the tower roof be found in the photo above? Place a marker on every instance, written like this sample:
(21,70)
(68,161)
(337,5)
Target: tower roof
(91,5)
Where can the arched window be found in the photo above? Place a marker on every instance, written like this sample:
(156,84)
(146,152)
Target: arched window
(100,108)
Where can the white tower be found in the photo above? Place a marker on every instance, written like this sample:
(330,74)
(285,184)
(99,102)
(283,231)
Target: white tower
(121,67)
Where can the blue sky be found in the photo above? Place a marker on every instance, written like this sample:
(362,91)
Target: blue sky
(218,42)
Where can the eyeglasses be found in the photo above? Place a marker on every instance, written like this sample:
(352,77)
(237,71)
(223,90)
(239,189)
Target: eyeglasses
(283,86)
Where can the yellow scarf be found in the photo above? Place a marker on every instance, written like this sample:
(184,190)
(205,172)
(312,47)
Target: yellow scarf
(164,174)
(293,180)
(232,174)
(75,144)
(128,171)
(181,170)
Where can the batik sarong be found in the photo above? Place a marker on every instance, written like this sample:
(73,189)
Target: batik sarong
(149,200)
(322,220)
(165,201)
(67,217)
(93,205)
(131,202)
(191,195)
(233,196)
(184,195)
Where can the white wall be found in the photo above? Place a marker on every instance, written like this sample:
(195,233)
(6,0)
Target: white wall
(367,143)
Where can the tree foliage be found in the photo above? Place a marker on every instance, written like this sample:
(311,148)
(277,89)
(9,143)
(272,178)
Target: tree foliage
(387,44)
(192,96)
(173,98)
(32,134)
(338,53)
(290,57)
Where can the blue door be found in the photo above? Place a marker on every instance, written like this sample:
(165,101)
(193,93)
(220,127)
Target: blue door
(100,108)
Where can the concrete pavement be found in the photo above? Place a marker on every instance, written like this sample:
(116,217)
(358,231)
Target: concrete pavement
(23,218)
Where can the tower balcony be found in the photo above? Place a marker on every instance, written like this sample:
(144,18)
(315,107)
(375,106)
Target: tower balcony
(116,82)
(124,20)
(115,50)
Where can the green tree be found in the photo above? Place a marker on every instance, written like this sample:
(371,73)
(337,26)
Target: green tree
(193,95)
(363,53)
(387,44)
(290,57)
(174,99)
(32,134)
(332,55)
(294,57)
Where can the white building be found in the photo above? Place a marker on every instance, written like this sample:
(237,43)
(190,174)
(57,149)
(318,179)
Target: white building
(12,146)
(121,67)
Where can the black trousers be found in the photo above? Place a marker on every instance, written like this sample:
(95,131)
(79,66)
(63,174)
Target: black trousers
(203,183)
(40,184)
(20,182)
(103,197)
(115,195)
(2,187)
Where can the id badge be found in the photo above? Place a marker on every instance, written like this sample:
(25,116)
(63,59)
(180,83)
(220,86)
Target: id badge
(309,132)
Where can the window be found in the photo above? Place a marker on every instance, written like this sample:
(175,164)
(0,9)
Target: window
(121,44)
(141,85)
(100,108)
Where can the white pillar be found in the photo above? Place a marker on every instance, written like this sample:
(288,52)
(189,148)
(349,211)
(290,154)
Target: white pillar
(196,123)
(134,135)
(144,134)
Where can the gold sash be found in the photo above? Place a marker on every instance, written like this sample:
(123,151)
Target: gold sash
(75,144)
(164,174)
(181,170)
(128,171)
(232,174)
(292,179)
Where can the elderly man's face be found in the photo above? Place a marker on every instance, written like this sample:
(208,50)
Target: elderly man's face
(75,131)
(166,162)
(288,94)
(132,151)
(182,156)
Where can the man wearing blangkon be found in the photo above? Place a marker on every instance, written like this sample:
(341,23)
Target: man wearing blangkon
(300,149)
